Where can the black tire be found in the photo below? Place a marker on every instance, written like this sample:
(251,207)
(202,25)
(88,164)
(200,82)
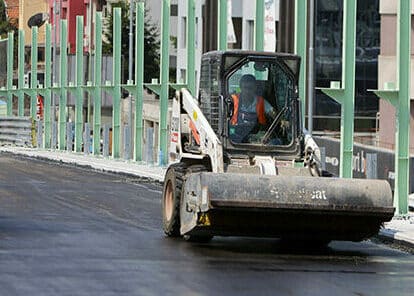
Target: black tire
(196,168)
(171,197)
(198,238)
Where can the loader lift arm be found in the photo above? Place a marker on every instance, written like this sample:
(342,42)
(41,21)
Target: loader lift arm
(209,144)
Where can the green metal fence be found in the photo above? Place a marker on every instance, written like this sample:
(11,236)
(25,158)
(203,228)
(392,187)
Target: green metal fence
(3,61)
(400,98)
(343,91)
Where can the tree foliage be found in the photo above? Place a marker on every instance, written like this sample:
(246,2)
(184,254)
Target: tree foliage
(5,26)
(151,41)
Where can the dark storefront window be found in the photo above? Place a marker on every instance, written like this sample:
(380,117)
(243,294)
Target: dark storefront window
(328,63)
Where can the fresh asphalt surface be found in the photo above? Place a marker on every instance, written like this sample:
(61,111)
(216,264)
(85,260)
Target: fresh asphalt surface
(70,231)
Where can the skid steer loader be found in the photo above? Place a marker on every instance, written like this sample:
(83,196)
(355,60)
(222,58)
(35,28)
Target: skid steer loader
(242,164)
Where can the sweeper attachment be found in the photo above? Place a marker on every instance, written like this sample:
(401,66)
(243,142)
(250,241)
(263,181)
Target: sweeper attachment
(241,163)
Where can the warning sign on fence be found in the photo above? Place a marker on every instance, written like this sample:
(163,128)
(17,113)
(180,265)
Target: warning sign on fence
(39,108)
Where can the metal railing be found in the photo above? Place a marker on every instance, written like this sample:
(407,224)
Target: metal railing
(17,131)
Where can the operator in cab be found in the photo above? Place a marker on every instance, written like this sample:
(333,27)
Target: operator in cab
(248,106)
(249,110)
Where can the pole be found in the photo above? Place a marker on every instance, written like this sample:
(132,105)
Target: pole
(402,159)
(10,45)
(20,70)
(63,83)
(33,82)
(348,78)
(48,84)
(79,83)
(345,94)
(90,10)
(139,75)
(97,84)
(56,14)
(130,64)
(165,65)
(116,95)
(311,61)
(222,25)
(300,49)
(191,27)
(259,26)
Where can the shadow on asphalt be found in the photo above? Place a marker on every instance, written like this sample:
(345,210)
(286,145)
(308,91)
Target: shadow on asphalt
(228,248)
(263,246)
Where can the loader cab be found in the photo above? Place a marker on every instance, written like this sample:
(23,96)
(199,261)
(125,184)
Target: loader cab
(251,101)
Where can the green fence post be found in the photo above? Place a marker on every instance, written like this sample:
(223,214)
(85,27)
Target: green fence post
(33,80)
(63,83)
(348,77)
(10,45)
(300,49)
(191,27)
(21,86)
(79,82)
(402,158)
(400,99)
(97,85)
(346,95)
(164,74)
(48,84)
(139,76)
(259,26)
(116,92)
(222,25)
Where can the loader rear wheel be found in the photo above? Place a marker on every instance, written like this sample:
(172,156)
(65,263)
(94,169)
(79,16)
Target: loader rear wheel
(171,197)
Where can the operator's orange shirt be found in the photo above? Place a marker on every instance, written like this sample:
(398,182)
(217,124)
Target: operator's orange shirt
(260,109)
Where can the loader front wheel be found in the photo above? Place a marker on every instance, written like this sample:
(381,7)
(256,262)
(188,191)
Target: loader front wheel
(171,197)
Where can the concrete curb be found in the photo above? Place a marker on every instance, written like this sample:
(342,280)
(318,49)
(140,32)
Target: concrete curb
(396,237)
(399,231)
(122,167)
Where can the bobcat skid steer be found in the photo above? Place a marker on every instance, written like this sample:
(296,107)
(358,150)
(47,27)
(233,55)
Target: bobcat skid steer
(240,169)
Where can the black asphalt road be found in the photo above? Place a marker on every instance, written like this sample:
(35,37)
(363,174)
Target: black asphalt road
(70,231)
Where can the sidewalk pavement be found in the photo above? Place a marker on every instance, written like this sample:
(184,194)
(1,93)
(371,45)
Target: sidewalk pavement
(399,230)
(119,166)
